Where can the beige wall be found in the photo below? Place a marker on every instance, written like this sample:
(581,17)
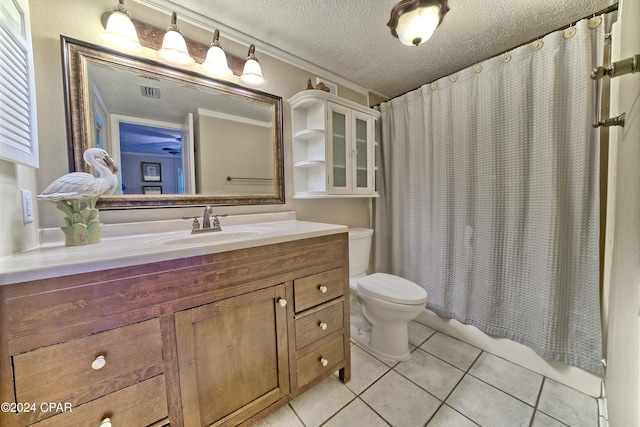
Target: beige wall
(80,19)
(232,148)
(623,234)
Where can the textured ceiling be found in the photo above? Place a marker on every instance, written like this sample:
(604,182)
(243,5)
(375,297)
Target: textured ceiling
(350,38)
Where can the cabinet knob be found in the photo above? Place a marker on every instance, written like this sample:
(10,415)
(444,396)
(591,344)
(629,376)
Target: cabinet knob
(106,422)
(99,364)
(282,302)
(323,289)
(323,326)
(324,361)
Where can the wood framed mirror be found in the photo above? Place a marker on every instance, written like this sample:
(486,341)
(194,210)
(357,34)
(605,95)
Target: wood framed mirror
(214,142)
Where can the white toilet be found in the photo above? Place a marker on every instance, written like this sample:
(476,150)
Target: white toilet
(381,304)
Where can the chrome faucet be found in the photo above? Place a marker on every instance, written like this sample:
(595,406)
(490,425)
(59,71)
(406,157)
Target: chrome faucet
(207,224)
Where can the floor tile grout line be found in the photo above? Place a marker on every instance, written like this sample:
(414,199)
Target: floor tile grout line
(544,378)
(449,363)
(442,403)
(453,409)
(467,372)
(358,395)
(535,408)
(373,409)
(389,369)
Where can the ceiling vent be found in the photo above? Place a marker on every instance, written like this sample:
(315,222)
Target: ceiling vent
(150,92)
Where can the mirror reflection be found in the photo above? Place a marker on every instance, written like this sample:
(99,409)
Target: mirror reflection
(179,137)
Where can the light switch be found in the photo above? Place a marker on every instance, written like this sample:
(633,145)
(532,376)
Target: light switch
(27,206)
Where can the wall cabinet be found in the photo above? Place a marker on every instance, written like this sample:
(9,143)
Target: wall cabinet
(221,339)
(333,146)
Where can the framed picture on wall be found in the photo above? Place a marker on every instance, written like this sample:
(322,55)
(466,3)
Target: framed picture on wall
(151,172)
(152,189)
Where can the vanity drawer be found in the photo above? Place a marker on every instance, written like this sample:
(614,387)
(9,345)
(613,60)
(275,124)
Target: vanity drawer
(72,371)
(318,288)
(141,404)
(327,353)
(318,325)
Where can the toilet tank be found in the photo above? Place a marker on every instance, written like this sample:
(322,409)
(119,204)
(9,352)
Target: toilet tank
(359,250)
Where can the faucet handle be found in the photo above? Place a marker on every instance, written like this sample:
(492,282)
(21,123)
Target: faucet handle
(195,225)
(216,221)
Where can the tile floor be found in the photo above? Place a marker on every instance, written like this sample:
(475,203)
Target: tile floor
(445,383)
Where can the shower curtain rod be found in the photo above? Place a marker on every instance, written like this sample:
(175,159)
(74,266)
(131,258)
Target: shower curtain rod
(612,8)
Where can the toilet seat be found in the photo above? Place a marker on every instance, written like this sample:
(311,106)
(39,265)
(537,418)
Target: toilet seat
(390,288)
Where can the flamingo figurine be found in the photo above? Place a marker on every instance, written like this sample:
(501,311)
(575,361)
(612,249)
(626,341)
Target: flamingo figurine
(78,185)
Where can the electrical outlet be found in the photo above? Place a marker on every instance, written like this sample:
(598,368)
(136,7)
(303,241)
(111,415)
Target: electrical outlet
(27,206)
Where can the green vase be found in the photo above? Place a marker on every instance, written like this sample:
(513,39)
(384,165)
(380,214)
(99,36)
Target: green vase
(82,221)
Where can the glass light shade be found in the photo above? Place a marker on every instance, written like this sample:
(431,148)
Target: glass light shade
(252,74)
(215,62)
(417,26)
(174,49)
(120,33)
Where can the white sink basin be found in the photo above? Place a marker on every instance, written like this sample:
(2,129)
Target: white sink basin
(212,237)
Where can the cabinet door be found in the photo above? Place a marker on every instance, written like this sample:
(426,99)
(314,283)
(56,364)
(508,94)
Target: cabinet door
(232,357)
(339,149)
(362,153)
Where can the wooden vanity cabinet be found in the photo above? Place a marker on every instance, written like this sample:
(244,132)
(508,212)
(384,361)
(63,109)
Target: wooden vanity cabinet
(233,357)
(219,339)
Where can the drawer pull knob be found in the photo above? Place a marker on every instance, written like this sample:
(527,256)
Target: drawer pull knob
(323,289)
(99,364)
(323,326)
(106,422)
(282,302)
(324,361)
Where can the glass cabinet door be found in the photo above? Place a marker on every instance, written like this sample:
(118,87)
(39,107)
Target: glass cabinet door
(340,149)
(363,154)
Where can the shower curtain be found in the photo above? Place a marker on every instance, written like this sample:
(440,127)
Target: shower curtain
(489,189)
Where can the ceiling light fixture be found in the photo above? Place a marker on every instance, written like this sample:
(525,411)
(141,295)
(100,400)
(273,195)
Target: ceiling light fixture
(120,32)
(215,62)
(414,21)
(174,48)
(252,73)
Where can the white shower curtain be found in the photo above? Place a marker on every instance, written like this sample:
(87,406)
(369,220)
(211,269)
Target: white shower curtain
(489,195)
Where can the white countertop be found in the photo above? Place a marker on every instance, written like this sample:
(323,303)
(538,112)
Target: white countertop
(130,244)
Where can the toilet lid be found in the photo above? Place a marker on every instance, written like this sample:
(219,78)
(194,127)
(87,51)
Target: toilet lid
(387,287)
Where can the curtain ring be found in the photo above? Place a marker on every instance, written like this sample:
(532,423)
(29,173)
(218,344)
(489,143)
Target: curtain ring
(594,22)
(569,32)
(537,45)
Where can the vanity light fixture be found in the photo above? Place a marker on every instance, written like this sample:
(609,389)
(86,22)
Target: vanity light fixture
(211,60)
(252,73)
(174,48)
(414,21)
(120,32)
(215,62)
